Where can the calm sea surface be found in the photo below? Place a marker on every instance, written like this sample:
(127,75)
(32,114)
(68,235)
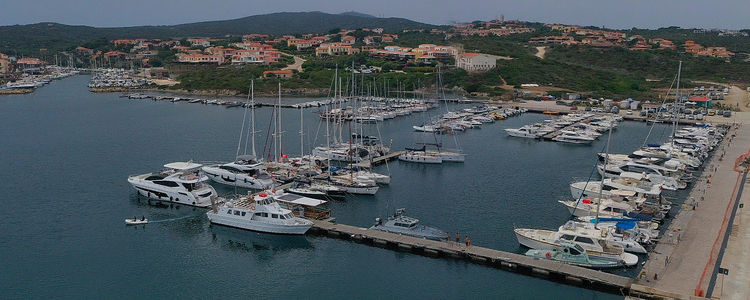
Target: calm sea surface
(66,153)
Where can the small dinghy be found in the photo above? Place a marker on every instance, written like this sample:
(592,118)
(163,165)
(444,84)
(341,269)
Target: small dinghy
(136,221)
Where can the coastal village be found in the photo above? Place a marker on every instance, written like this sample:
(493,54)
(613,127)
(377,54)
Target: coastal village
(395,123)
(283,56)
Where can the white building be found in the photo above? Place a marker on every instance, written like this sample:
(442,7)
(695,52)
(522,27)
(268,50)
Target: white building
(476,62)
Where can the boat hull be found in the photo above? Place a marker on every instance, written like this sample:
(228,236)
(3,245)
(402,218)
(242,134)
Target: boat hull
(259,226)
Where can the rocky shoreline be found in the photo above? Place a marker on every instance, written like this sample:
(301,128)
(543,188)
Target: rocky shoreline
(16,91)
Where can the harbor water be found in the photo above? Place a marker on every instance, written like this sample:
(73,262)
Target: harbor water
(66,154)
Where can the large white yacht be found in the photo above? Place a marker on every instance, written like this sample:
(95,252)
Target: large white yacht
(244,172)
(574,137)
(258,212)
(180,182)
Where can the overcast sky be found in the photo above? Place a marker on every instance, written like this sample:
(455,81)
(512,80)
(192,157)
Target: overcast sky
(732,14)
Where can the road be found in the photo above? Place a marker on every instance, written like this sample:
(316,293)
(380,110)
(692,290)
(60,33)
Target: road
(297,65)
(540,51)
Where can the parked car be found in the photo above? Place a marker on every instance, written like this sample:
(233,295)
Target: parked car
(629,112)
(727,113)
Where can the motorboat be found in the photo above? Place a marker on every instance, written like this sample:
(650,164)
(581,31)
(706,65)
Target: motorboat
(573,254)
(401,224)
(523,132)
(136,221)
(573,137)
(629,243)
(244,172)
(180,182)
(547,240)
(258,212)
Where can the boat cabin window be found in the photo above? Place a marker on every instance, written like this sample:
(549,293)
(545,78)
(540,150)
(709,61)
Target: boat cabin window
(567,237)
(265,215)
(259,214)
(275,216)
(243,213)
(166,183)
(189,186)
(584,240)
(231,169)
(229,211)
(236,212)
(575,251)
(283,217)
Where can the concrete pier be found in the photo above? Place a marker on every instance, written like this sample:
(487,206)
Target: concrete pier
(546,269)
(683,262)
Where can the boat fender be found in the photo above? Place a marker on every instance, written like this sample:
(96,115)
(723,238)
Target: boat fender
(548,255)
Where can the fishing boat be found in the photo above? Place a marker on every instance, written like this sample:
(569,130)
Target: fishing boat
(258,212)
(401,224)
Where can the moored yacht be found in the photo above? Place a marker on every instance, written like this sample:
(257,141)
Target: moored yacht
(180,182)
(244,172)
(258,213)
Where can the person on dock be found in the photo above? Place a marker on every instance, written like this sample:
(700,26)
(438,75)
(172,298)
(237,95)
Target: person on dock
(448,236)
(468,241)
(458,237)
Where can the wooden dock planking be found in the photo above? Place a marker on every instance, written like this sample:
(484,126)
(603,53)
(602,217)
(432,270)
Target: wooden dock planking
(521,263)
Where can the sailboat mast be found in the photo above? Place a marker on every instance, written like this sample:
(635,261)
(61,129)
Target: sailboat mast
(242,129)
(601,183)
(676,100)
(281,150)
(252,103)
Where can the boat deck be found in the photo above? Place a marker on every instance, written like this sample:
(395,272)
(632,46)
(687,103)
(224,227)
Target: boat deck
(509,261)
(380,159)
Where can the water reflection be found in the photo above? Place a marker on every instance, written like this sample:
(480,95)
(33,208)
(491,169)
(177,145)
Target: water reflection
(259,243)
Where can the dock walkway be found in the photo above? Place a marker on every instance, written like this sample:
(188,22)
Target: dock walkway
(509,261)
(684,259)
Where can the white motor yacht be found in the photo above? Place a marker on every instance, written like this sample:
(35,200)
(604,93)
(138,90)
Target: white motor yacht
(548,239)
(528,132)
(607,233)
(259,213)
(180,183)
(244,172)
(574,137)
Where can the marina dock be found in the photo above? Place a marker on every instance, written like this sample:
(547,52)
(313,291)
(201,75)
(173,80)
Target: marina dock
(550,270)
(685,261)
(380,159)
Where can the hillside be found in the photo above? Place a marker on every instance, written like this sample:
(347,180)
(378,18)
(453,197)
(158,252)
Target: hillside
(53,36)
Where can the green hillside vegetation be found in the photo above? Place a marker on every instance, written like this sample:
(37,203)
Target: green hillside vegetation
(28,39)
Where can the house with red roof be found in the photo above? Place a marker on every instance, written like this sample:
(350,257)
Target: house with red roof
(278,74)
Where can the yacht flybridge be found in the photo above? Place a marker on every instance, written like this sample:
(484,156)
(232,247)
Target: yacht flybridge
(180,182)
(258,212)
(244,172)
